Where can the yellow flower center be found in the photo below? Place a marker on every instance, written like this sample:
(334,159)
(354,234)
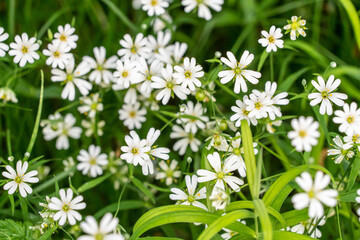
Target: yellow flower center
(133,49)
(93,106)
(154,2)
(62,38)
(350,119)
(325,94)
(18,179)
(25,49)
(69,77)
(237,151)
(245,112)
(258,105)
(237,70)
(66,208)
(92,161)
(134,151)
(295,25)
(355,138)
(132,114)
(311,194)
(125,74)
(271,39)
(187,74)
(99,67)
(191,198)
(302,133)
(170,85)
(220,175)
(56,54)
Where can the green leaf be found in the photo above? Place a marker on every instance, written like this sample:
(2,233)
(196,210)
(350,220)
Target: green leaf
(283,235)
(262,60)
(266,224)
(48,233)
(293,217)
(93,183)
(125,205)
(348,196)
(9,229)
(121,15)
(143,189)
(249,158)
(289,81)
(354,18)
(38,117)
(223,222)
(180,213)
(353,173)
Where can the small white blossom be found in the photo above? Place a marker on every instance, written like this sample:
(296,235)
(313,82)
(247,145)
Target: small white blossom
(349,118)
(340,150)
(304,134)
(185,139)
(309,226)
(92,161)
(168,172)
(93,126)
(154,7)
(132,115)
(241,113)
(203,7)
(24,50)
(272,39)
(219,198)
(134,49)
(296,27)
(188,76)
(3,46)
(198,120)
(6,94)
(136,151)
(66,35)
(126,74)
(58,54)
(90,105)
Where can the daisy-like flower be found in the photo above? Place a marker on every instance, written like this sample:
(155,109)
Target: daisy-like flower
(20,178)
(218,141)
(304,134)
(3,46)
(326,94)
(58,54)
(90,105)
(241,113)
(24,50)
(188,76)
(159,23)
(92,161)
(72,77)
(239,71)
(192,196)
(258,105)
(314,195)
(236,151)
(93,126)
(222,173)
(132,115)
(270,126)
(272,39)
(168,85)
(185,139)
(147,73)
(279,99)
(172,55)
(154,7)
(160,42)
(349,119)
(126,74)
(66,35)
(296,27)
(106,230)
(168,172)
(6,94)
(353,139)
(134,49)
(198,120)
(219,199)
(203,7)
(62,131)
(101,66)
(66,207)
(136,151)
(162,152)
(309,226)
(340,150)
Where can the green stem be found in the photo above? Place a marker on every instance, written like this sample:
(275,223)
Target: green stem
(271,67)
(11,18)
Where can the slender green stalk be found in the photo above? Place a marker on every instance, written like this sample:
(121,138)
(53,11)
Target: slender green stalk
(11,18)
(271,67)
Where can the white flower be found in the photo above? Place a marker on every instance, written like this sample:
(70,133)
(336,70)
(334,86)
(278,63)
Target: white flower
(20,178)
(106,230)
(239,71)
(309,226)
(353,139)
(58,54)
(101,66)
(92,161)
(92,125)
(146,74)
(270,128)
(186,139)
(126,74)
(168,86)
(188,75)
(66,206)
(90,105)
(279,99)
(314,194)
(349,119)
(172,55)
(134,49)
(24,49)
(222,173)
(160,42)
(272,39)
(195,123)
(341,150)
(203,7)
(326,94)
(154,7)
(62,130)
(305,133)
(241,113)
(159,23)
(136,151)
(296,27)
(258,105)
(358,201)
(132,115)
(3,46)
(219,198)
(191,197)
(72,77)
(168,172)
(66,35)
(235,152)
(6,94)
(218,141)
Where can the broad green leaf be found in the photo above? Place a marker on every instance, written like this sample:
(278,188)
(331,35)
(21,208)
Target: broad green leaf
(348,196)
(293,217)
(354,18)
(355,168)
(290,80)
(266,225)
(125,205)
(223,222)
(142,188)
(262,60)
(93,183)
